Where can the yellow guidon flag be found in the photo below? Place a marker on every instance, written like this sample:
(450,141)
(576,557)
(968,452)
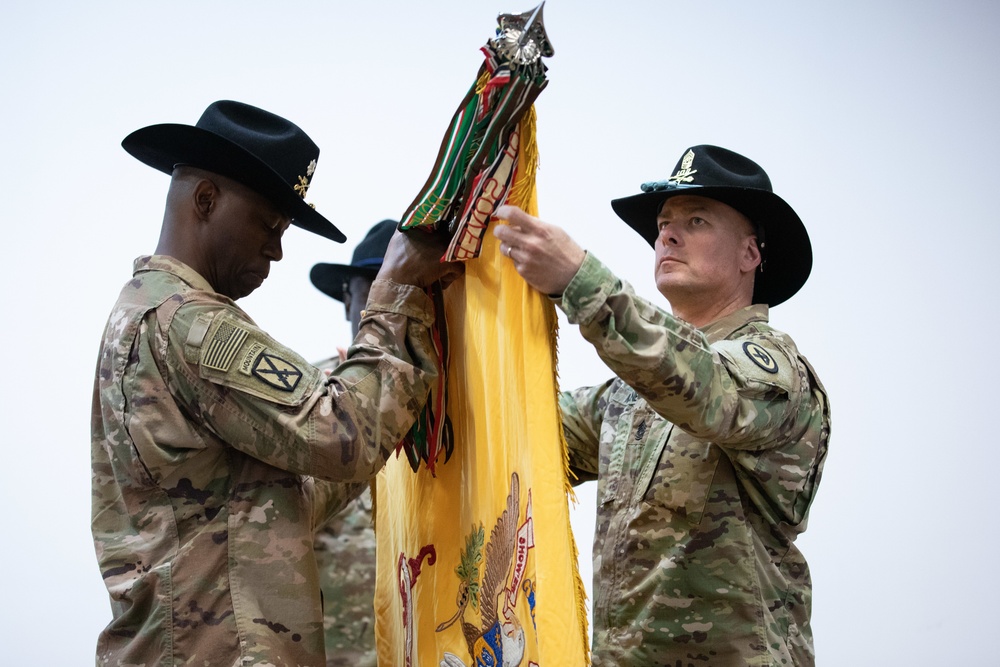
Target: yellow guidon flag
(477,564)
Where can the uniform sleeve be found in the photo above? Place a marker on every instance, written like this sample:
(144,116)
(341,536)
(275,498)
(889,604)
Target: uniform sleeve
(743,394)
(582,413)
(265,400)
(330,498)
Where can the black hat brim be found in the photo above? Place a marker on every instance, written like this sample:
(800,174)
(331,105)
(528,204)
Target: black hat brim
(166,145)
(331,278)
(787,250)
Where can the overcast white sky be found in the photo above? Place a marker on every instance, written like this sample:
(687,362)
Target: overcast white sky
(877,122)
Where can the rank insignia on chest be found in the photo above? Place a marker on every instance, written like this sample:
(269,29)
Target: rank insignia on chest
(276,372)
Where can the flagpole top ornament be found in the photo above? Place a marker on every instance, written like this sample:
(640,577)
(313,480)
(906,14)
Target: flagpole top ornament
(521,38)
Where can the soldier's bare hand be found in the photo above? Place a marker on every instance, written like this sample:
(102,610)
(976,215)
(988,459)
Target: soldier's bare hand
(544,254)
(414,258)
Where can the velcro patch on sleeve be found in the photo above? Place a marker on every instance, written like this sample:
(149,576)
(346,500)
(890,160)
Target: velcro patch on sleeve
(248,360)
(279,373)
(758,363)
(761,357)
(237,354)
(220,351)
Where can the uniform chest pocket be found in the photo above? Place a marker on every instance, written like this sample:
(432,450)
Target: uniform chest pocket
(680,477)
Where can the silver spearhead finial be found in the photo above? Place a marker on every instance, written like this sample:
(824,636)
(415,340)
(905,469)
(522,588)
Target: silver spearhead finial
(521,38)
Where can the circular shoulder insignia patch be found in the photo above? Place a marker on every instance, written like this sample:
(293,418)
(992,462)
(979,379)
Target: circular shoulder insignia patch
(759,356)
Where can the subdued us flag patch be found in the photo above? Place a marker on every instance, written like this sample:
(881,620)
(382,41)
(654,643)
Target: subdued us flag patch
(222,349)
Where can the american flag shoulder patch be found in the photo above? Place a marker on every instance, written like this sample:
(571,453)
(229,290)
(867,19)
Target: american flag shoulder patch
(219,352)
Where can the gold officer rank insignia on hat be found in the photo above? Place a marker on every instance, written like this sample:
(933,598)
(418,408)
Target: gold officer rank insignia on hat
(221,350)
(759,356)
(303,185)
(685,174)
(276,372)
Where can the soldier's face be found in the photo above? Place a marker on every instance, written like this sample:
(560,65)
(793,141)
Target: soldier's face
(246,238)
(704,249)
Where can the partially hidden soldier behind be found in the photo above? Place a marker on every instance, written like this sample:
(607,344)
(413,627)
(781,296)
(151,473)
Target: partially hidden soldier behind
(345,547)
(708,443)
(217,451)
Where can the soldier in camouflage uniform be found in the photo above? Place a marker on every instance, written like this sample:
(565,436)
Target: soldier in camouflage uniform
(217,452)
(708,444)
(345,547)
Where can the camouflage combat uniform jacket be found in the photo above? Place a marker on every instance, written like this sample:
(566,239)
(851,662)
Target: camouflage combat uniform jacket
(345,555)
(708,447)
(210,444)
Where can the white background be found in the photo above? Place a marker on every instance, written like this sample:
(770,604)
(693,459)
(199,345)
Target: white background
(877,121)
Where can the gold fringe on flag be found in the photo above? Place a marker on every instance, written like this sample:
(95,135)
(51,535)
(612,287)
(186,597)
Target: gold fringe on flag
(477,563)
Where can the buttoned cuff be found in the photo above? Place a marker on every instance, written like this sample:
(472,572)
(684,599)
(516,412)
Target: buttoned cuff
(386,296)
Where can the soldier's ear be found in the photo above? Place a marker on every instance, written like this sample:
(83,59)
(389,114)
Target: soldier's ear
(205,198)
(750,257)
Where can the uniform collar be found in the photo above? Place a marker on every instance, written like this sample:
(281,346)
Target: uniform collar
(172,266)
(725,327)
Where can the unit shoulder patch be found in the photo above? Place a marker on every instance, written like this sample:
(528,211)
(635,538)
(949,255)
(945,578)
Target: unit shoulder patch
(236,354)
(760,356)
(277,372)
(758,363)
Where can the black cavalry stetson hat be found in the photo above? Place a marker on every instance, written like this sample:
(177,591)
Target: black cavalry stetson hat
(265,152)
(728,177)
(332,278)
